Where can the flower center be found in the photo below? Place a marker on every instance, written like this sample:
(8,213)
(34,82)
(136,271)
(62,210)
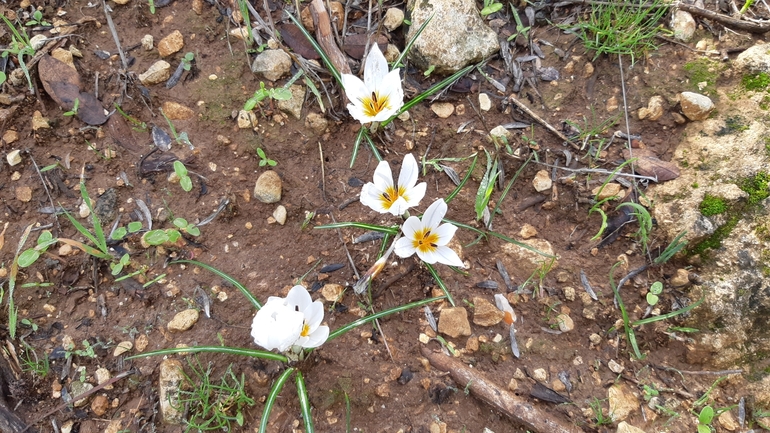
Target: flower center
(375,104)
(305,330)
(425,241)
(391,194)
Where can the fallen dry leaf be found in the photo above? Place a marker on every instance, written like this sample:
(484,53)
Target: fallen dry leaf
(648,164)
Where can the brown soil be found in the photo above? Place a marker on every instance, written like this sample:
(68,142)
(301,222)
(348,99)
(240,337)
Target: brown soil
(267,258)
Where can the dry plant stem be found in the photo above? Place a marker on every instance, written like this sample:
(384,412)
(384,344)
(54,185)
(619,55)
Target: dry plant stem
(684,394)
(747,26)
(323,32)
(516,408)
(702,372)
(47,192)
(114,32)
(542,121)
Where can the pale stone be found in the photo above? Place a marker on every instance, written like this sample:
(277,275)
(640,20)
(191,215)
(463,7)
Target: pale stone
(728,422)
(148,42)
(485,313)
(316,122)
(524,259)
(500,134)
(170,380)
(332,292)
(122,347)
(171,44)
(65,250)
(99,405)
(588,70)
(485,104)
(38,41)
(142,342)
(10,136)
(293,105)
(394,17)
(542,181)
(696,106)
(65,56)
(569,293)
(612,104)
(453,322)
(622,402)
(268,188)
(612,189)
(680,279)
(528,231)
(241,33)
(39,122)
(157,73)
(280,215)
(177,111)
(121,2)
(24,193)
(565,323)
(77,388)
(391,54)
(183,320)
(615,367)
(683,25)
(13,157)
(625,427)
(595,339)
(247,119)
(102,375)
(654,109)
(272,64)
(540,375)
(755,59)
(197,6)
(442,109)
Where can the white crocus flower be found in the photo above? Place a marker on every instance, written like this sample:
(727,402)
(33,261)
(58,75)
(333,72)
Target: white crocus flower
(291,321)
(428,237)
(277,325)
(386,197)
(380,95)
(313,334)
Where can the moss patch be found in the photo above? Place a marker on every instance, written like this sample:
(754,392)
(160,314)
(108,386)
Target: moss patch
(756,82)
(733,124)
(712,205)
(706,71)
(756,187)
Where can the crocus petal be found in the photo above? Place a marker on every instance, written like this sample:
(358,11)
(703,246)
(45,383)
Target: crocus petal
(299,297)
(315,339)
(376,67)
(404,247)
(442,254)
(370,197)
(434,214)
(355,89)
(314,315)
(411,226)
(415,195)
(390,86)
(383,177)
(445,233)
(399,206)
(276,326)
(502,303)
(409,171)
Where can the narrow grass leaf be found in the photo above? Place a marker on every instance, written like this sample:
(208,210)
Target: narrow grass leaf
(440,283)
(225,277)
(520,244)
(254,353)
(372,146)
(486,186)
(669,315)
(327,61)
(507,189)
(357,145)
(630,335)
(304,403)
(277,386)
(367,319)
(433,89)
(393,230)
(411,42)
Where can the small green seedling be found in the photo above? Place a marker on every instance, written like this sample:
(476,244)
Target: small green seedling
(429,71)
(29,323)
(264,160)
(121,232)
(183,225)
(37,19)
(152,6)
(279,94)
(187,61)
(30,256)
(655,290)
(184,179)
(520,29)
(117,268)
(74,110)
(705,418)
(180,137)
(490,7)
(87,351)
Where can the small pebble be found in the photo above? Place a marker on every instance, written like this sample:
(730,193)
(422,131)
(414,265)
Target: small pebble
(122,348)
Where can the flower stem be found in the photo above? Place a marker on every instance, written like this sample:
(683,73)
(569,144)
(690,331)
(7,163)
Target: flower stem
(440,282)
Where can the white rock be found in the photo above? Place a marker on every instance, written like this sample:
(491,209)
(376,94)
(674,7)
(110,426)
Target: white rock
(654,109)
(754,59)
(280,214)
(183,320)
(37,42)
(542,181)
(565,323)
(272,64)
(540,375)
(269,187)
(157,73)
(683,25)
(13,157)
(442,109)
(622,402)
(148,42)
(696,106)
(169,383)
(394,17)
(615,367)
(247,119)
(485,104)
(625,427)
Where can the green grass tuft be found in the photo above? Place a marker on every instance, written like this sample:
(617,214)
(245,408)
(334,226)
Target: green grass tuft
(712,205)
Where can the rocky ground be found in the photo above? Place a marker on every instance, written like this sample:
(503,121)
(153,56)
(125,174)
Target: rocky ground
(163,83)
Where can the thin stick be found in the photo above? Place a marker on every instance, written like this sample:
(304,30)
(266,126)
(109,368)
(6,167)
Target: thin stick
(542,121)
(48,193)
(350,258)
(114,32)
(323,174)
(702,372)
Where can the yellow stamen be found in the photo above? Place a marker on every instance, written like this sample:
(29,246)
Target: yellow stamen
(425,241)
(375,104)
(392,194)
(305,330)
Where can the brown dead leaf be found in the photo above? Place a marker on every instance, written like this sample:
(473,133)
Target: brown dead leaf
(122,135)
(61,82)
(648,164)
(356,44)
(90,110)
(294,38)
(2,236)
